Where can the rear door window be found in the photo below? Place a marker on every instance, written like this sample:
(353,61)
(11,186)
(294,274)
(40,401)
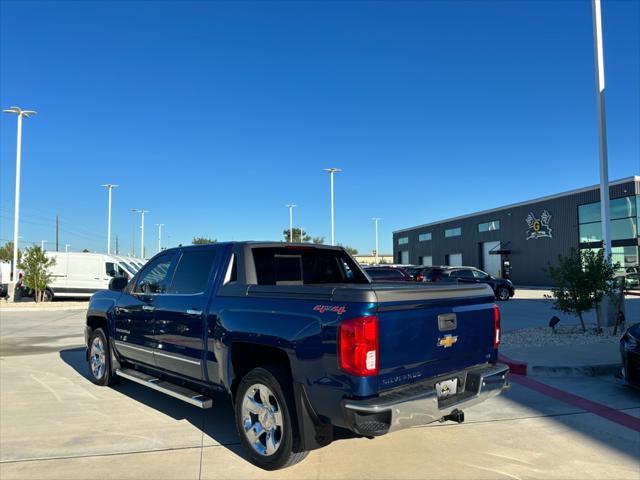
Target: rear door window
(192,272)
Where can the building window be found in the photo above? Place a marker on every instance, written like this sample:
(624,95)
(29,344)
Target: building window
(424,237)
(624,220)
(489,226)
(453,259)
(403,240)
(453,232)
(427,261)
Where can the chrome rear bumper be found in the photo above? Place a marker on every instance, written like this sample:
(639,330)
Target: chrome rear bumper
(418,404)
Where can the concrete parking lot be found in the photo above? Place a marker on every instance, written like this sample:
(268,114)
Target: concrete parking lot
(54,423)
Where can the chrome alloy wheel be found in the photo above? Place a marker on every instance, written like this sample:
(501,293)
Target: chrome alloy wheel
(262,420)
(97,358)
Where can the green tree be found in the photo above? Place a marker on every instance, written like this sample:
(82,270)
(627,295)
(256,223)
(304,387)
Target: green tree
(298,235)
(600,272)
(6,252)
(318,240)
(571,290)
(350,250)
(203,240)
(35,267)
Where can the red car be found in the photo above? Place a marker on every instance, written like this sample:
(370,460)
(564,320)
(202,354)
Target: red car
(388,274)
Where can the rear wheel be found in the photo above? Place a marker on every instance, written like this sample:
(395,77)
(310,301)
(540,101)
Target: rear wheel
(47,296)
(503,293)
(100,359)
(265,418)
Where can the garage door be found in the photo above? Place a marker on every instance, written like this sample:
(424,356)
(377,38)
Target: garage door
(490,262)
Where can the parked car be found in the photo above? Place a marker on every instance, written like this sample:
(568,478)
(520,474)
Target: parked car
(388,274)
(80,274)
(301,340)
(502,288)
(630,353)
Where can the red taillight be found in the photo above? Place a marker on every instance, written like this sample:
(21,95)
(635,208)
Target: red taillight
(496,326)
(358,346)
(420,278)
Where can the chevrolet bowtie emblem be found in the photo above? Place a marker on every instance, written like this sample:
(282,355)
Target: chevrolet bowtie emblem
(447,341)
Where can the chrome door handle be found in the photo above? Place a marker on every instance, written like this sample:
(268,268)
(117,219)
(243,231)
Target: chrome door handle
(193,312)
(148,308)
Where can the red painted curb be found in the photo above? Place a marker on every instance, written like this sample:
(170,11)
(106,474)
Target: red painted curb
(519,368)
(599,409)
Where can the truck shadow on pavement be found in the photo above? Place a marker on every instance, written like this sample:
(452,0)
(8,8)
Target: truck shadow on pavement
(217,423)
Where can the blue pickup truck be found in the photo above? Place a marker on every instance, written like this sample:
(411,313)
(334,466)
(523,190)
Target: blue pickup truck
(305,344)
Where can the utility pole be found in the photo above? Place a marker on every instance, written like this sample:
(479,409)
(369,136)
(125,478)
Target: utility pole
(117,246)
(291,206)
(16,216)
(602,128)
(159,225)
(376,220)
(57,232)
(331,172)
(110,187)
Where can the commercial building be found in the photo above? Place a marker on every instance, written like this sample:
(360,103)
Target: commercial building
(370,258)
(519,241)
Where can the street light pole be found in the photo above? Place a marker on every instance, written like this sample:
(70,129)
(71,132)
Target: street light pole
(291,206)
(602,128)
(109,186)
(16,216)
(141,212)
(159,225)
(376,220)
(331,171)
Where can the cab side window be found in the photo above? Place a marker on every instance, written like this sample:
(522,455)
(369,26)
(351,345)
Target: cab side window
(153,279)
(193,272)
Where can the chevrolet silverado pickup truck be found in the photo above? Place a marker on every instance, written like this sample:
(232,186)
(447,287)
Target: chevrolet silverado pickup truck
(302,340)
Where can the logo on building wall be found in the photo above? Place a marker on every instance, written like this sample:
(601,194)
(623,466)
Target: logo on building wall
(539,227)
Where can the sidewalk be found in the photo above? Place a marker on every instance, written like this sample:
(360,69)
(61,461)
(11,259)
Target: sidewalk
(602,359)
(31,306)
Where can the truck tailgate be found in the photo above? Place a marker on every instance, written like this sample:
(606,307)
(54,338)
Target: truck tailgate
(415,345)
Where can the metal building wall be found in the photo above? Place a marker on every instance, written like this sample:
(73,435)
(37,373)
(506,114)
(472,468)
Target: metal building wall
(528,258)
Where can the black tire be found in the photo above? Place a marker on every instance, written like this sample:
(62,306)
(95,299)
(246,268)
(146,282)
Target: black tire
(104,376)
(278,381)
(502,294)
(47,296)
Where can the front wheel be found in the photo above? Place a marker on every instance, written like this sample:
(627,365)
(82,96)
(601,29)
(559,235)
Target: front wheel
(100,359)
(503,293)
(265,418)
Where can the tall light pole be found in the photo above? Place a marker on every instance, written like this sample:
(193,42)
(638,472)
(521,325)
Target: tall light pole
(159,225)
(141,212)
(376,220)
(291,206)
(331,171)
(602,127)
(109,186)
(16,216)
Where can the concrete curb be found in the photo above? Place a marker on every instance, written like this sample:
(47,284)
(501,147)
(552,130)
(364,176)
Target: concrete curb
(522,368)
(42,309)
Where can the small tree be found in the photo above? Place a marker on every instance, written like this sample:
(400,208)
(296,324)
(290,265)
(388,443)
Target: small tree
(203,240)
(599,272)
(299,235)
(571,291)
(350,250)
(35,266)
(317,240)
(6,252)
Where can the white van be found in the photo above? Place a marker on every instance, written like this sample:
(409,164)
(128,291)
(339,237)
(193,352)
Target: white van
(78,274)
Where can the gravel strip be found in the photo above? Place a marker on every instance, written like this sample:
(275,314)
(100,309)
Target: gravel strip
(564,335)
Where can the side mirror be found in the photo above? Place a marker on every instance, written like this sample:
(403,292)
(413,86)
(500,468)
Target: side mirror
(118,284)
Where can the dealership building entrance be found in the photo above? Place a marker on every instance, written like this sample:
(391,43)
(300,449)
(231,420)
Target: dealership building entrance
(521,240)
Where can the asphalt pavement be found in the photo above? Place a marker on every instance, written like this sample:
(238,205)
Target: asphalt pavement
(55,423)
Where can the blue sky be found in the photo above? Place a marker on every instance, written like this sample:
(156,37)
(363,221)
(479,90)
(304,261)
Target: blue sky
(214,115)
